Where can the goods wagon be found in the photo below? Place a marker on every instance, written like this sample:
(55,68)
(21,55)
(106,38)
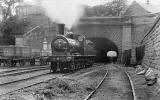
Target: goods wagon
(12,55)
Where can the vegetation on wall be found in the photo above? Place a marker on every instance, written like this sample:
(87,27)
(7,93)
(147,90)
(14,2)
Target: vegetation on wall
(112,8)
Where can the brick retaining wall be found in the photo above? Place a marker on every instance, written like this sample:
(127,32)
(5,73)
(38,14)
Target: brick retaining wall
(152,46)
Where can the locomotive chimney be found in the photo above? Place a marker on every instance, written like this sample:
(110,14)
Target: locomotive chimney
(61,29)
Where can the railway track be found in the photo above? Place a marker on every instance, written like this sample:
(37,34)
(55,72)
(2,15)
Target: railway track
(91,94)
(9,78)
(132,86)
(30,81)
(27,83)
(21,72)
(2,71)
(108,88)
(16,70)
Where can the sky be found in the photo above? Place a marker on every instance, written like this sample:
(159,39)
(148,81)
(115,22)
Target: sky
(154,2)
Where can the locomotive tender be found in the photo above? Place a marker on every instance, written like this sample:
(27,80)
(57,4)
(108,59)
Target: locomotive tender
(71,51)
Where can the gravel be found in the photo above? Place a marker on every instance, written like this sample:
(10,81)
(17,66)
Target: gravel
(62,88)
(143,92)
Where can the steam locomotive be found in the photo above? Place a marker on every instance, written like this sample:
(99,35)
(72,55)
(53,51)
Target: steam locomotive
(71,52)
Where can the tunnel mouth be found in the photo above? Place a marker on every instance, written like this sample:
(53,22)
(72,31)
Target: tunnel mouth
(102,46)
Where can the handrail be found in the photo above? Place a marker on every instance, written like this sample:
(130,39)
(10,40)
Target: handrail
(33,29)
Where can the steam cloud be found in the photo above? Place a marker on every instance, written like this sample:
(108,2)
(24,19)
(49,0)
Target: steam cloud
(63,11)
(31,2)
(67,12)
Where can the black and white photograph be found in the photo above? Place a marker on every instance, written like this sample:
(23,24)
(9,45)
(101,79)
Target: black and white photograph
(79,49)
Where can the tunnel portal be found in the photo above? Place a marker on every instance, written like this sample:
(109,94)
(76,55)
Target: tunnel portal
(102,46)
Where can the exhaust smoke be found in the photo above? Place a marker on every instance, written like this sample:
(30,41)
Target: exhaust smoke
(67,12)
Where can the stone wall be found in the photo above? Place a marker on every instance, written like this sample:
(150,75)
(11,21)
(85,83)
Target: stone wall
(152,49)
(140,26)
(152,46)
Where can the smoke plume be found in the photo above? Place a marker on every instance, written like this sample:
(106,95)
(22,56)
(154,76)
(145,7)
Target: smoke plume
(67,12)
(31,2)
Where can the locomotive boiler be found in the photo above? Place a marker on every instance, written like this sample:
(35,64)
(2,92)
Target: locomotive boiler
(71,51)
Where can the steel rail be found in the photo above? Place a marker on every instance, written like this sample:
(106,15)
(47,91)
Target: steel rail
(22,72)
(28,86)
(132,86)
(5,83)
(131,83)
(18,69)
(36,83)
(90,95)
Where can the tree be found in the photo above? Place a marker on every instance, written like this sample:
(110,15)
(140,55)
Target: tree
(99,10)
(7,7)
(112,8)
(11,27)
(89,11)
(115,7)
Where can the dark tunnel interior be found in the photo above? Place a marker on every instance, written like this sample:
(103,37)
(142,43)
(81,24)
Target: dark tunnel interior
(102,46)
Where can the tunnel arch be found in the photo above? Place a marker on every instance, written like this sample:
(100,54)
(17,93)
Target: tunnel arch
(102,46)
